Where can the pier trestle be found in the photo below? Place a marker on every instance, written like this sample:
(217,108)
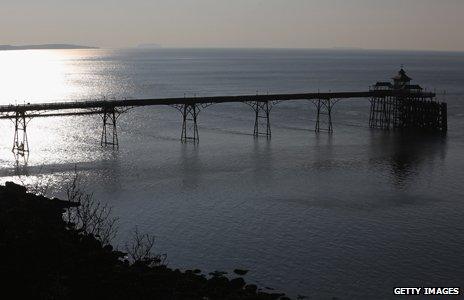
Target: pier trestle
(109,135)
(190,114)
(20,143)
(384,113)
(409,112)
(324,107)
(262,111)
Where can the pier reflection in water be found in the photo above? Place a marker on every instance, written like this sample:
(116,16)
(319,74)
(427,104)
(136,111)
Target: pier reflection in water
(405,153)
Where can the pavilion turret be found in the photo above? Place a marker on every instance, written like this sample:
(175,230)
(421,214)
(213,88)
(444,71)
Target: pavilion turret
(401,80)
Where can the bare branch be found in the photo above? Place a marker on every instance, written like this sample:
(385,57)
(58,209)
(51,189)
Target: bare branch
(91,216)
(141,249)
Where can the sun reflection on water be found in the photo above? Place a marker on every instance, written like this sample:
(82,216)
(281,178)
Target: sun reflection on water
(30,76)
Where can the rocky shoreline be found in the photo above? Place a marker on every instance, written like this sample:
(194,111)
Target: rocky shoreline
(45,257)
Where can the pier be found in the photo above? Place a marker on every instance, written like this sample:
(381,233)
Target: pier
(397,105)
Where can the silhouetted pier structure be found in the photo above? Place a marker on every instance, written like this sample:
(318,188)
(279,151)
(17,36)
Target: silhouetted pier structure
(393,106)
(415,109)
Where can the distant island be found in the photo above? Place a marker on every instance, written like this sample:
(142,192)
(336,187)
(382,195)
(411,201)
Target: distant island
(347,48)
(149,46)
(44,46)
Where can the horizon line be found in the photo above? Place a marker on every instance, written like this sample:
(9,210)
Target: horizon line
(335,48)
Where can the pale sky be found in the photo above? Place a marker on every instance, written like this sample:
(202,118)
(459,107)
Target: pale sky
(377,24)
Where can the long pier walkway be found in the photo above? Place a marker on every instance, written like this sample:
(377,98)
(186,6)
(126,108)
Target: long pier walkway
(391,107)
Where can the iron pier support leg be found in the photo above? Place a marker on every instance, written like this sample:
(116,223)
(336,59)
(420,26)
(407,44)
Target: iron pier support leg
(384,113)
(262,120)
(109,136)
(20,143)
(444,117)
(318,104)
(189,123)
(323,108)
(371,114)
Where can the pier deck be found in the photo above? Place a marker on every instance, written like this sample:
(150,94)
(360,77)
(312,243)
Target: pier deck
(95,104)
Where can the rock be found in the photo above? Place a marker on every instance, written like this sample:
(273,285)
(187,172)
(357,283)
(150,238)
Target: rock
(14,188)
(237,283)
(240,272)
(251,288)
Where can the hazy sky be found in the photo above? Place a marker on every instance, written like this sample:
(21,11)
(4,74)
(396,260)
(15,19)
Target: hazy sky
(384,24)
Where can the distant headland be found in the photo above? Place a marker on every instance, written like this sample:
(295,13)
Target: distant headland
(149,46)
(44,46)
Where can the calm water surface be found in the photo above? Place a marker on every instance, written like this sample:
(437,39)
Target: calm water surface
(350,215)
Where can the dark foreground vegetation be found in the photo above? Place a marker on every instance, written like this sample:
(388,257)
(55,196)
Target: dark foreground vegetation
(43,256)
